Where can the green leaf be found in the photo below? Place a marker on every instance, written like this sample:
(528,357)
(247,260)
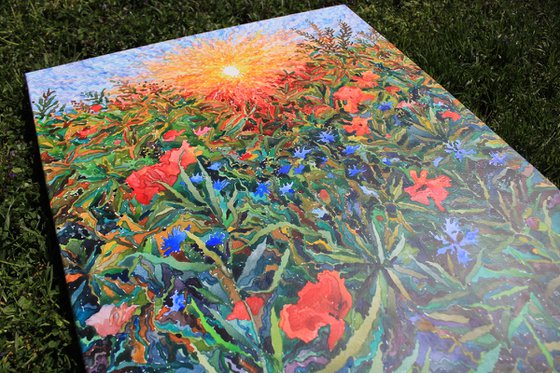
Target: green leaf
(191,188)
(377,363)
(237,336)
(511,291)
(488,360)
(172,262)
(276,337)
(409,361)
(210,191)
(542,347)
(245,279)
(426,367)
(398,248)
(517,321)
(380,251)
(484,272)
(360,336)
(278,274)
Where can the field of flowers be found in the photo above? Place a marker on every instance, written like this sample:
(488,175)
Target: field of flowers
(318,203)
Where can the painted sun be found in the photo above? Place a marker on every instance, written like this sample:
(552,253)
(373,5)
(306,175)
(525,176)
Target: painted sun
(238,67)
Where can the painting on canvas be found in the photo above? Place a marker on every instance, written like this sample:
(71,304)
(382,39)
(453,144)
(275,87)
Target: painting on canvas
(293,194)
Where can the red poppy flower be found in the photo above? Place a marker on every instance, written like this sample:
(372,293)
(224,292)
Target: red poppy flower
(83,134)
(145,183)
(246,156)
(172,135)
(110,319)
(95,108)
(425,188)
(359,126)
(353,97)
(367,80)
(406,104)
(239,311)
(201,131)
(392,89)
(185,155)
(451,114)
(324,195)
(323,303)
(316,109)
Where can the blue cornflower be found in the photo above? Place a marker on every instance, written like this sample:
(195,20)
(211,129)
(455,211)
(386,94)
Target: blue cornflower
(220,185)
(354,170)
(285,169)
(324,160)
(262,189)
(320,212)
(456,147)
(497,159)
(197,178)
(299,169)
(369,192)
(384,106)
(350,149)
(216,239)
(389,161)
(179,302)
(301,152)
(437,160)
(215,166)
(287,188)
(172,244)
(455,240)
(327,137)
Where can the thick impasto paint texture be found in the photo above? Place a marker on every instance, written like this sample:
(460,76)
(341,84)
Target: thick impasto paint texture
(296,195)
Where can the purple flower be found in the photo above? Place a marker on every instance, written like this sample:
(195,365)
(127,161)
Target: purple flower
(456,147)
(455,240)
(197,178)
(437,160)
(301,152)
(553,201)
(216,239)
(350,149)
(354,170)
(284,169)
(299,169)
(327,137)
(384,106)
(219,185)
(172,244)
(287,189)
(498,159)
(262,189)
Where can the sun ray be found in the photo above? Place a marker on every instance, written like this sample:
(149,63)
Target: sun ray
(236,68)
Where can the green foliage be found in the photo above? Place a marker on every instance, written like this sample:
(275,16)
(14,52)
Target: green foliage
(500,58)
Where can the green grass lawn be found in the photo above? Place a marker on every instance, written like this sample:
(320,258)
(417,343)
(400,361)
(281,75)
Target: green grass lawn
(500,58)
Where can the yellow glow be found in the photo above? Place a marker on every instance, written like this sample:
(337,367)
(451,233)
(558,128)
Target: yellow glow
(231,71)
(238,67)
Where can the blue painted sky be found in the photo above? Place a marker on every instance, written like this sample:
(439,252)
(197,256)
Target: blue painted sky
(71,80)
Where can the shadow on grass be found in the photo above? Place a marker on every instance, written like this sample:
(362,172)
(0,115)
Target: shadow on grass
(49,230)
